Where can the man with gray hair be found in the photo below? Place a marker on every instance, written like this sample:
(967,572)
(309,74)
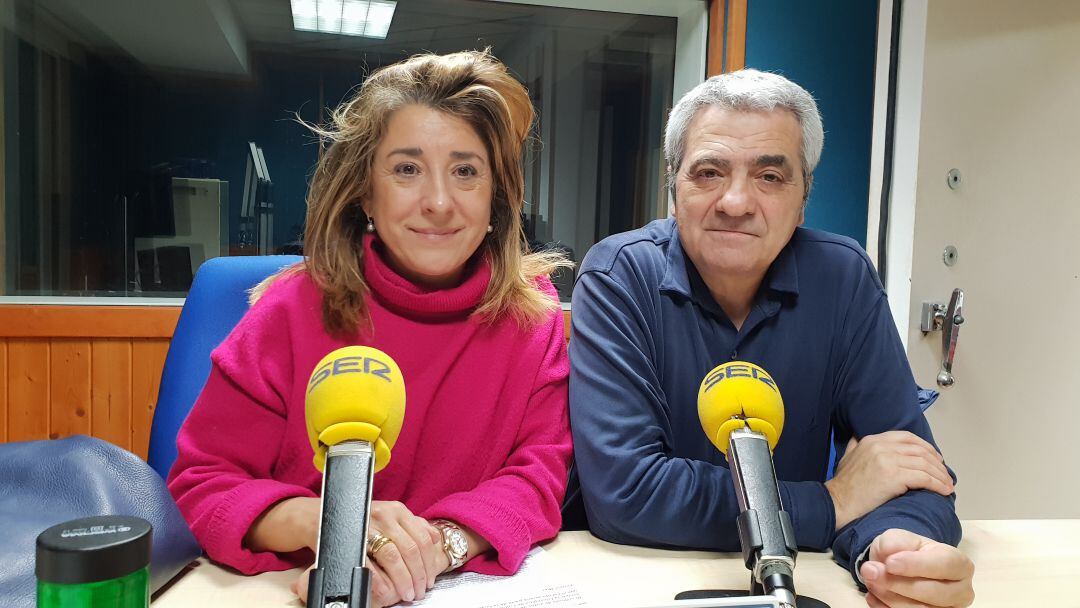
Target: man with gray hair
(733,276)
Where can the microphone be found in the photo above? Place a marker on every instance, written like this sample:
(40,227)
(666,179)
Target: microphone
(354,408)
(742,413)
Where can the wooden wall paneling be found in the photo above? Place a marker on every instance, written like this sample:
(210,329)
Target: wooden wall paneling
(111,401)
(28,389)
(69,388)
(147,361)
(735,51)
(714,47)
(3,388)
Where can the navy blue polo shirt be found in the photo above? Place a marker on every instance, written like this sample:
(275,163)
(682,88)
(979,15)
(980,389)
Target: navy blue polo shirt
(646,330)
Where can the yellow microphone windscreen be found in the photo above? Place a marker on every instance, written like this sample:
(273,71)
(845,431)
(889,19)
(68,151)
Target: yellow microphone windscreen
(738,394)
(355,393)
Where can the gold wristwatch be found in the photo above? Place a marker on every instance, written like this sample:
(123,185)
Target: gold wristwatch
(454,542)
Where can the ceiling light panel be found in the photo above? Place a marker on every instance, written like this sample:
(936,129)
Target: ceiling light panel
(367,18)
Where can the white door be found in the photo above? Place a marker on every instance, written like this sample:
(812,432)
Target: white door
(1001,104)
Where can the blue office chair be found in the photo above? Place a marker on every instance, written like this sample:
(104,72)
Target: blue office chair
(217,300)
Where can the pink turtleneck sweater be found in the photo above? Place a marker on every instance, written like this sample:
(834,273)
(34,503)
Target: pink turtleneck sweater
(486,437)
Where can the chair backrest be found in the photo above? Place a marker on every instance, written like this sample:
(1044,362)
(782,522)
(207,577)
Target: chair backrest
(216,302)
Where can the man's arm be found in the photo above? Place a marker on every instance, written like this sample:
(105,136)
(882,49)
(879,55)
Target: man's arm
(876,393)
(634,491)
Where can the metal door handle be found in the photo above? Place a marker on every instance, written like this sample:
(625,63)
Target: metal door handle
(935,317)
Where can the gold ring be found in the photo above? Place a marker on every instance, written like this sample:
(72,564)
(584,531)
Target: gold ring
(375,543)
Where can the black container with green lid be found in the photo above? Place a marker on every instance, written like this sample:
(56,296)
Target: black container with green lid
(94,562)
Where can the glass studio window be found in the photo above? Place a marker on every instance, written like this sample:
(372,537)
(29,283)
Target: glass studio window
(135,146)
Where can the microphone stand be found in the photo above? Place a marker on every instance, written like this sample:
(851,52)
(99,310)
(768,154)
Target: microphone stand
(341,578)
(766,535)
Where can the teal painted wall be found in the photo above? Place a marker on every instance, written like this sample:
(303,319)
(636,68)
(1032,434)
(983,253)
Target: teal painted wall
(826,46)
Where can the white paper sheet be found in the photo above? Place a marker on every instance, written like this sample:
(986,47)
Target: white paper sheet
(534,586)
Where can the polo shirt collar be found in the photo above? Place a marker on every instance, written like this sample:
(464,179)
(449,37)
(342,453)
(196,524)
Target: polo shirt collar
(677,276)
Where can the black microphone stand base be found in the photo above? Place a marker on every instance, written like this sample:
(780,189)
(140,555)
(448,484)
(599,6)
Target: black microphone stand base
(704,594)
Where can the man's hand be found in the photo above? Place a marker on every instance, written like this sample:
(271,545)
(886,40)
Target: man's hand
(881,467)
(907,570)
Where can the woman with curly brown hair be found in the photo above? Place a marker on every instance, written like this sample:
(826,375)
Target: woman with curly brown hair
(414,246)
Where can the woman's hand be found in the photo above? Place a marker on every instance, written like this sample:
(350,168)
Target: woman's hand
(402,569)
(288,525)
(408,564)
(382,592)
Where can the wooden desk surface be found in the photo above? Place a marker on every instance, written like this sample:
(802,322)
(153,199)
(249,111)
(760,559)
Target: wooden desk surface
(1016,562)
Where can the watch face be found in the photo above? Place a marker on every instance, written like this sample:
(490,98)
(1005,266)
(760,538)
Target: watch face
(458,544)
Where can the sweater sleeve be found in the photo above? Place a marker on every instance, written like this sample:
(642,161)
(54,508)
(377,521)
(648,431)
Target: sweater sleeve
(635,491)
(223,477)
(520,505)
(876,392)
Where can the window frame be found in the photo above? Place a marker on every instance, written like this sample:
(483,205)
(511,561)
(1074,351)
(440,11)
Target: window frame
(692,43)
